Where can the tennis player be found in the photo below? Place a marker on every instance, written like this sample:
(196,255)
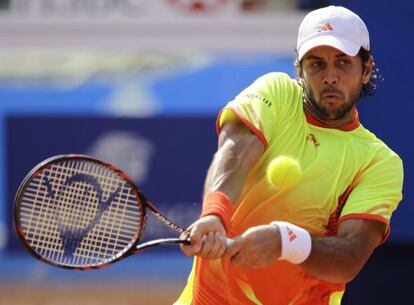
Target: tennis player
(297,246)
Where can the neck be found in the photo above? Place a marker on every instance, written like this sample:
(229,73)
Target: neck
(344,120)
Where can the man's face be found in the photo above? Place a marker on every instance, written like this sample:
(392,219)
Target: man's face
(333,81)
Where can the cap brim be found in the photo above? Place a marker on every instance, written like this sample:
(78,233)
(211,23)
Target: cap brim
(348,47)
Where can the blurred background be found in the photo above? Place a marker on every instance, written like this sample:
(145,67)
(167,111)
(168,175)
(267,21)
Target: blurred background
(139,83)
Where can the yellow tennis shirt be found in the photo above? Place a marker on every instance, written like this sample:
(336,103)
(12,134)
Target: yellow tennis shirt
(347,173)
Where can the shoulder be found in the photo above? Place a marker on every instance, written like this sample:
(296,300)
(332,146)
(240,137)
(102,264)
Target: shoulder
(278,79)
(273,88)
(378,149)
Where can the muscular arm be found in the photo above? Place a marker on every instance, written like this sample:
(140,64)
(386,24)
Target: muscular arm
(339,259)
(238,151)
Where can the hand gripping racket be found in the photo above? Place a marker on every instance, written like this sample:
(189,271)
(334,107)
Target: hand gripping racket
(77,212)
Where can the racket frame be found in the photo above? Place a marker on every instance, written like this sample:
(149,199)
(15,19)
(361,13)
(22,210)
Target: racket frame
(133,247)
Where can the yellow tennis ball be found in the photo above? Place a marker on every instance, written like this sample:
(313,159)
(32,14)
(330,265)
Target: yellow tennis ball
(283,172)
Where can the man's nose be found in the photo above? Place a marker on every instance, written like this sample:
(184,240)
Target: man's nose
(331,77)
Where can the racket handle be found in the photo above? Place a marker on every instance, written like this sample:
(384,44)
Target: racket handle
(158,242)
(229,242)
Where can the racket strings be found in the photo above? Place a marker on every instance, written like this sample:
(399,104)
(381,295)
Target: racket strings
(88,221)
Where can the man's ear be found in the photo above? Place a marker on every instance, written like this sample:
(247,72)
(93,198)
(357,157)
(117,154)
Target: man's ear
(369,66)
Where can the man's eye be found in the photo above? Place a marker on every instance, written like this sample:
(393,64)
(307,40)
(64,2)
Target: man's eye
(316,64)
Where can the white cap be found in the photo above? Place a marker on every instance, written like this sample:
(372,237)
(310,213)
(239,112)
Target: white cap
(333,26)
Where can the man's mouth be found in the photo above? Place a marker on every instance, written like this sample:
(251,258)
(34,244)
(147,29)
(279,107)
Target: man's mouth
(331,95)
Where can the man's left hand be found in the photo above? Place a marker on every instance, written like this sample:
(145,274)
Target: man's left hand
(257,247)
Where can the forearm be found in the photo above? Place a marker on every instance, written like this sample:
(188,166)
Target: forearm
(226,174)
(239,150)
(339,259)
(333,259)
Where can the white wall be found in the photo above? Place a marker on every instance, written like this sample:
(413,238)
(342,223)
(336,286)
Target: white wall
(146,25)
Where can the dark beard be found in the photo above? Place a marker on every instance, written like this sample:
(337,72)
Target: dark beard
(320,112)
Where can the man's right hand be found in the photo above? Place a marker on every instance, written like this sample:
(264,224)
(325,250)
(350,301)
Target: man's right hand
(208,238)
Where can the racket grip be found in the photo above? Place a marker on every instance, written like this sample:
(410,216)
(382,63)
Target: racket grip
(229,242)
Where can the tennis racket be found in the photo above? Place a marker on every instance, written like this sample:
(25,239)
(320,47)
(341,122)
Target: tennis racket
(77,212)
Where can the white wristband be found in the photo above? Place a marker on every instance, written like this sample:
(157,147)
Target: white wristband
(296,242)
